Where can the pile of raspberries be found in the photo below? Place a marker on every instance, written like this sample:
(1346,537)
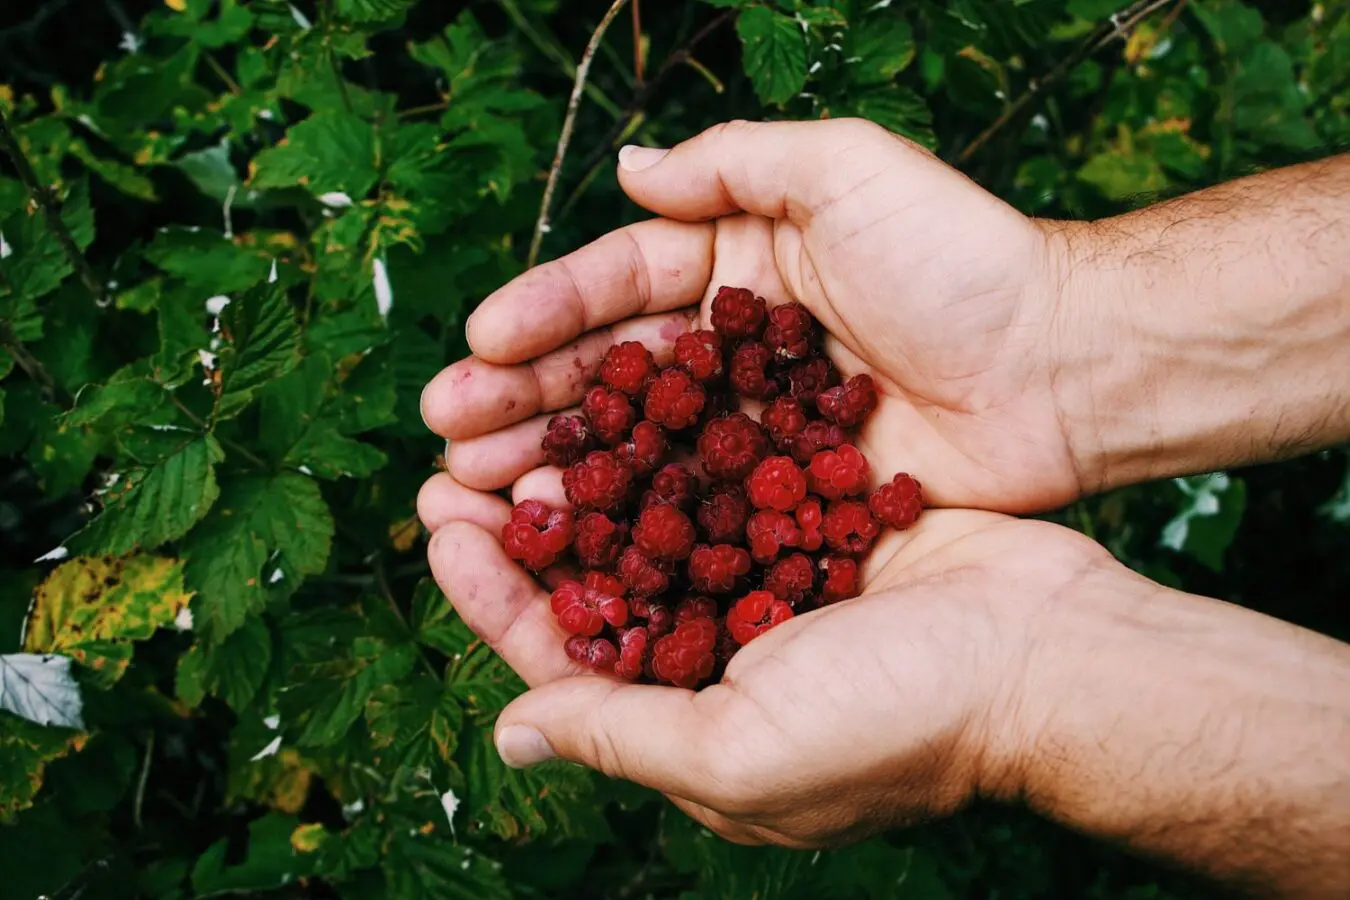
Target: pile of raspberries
(695,527)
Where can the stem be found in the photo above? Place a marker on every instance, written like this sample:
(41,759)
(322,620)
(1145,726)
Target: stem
(223,75)
(551,49)
(42,198)
(32,367)
(226,442)
(564,139)
(419,110)
(639,58)
(388,595)
(141,782)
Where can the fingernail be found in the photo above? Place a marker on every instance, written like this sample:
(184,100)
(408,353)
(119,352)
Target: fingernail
(634,158)
(520,746)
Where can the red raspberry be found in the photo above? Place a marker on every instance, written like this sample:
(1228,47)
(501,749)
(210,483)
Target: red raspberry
(784,419)
(566,440)
(791,579)
(817,436)
(715,569)
(723,512)
(644,449)
(898,502)
(660,620)
(674,485)
(849,527)
(850,403)
(537,534)
(585,610)
(834,474)
(598,653)
(695,608)
(731,446)
(633,652)
(609,412)
(738,313)
(628,367)
(791,332)
(749,372)
(810,519)
(598,540)
(685,656)
(841,579)
(642,575)
(604,583)
(776,483)
(664,532)
(754,614)
(700,354)
(808,379)
(726,645)
(768,532)
(675,400)
(599,481)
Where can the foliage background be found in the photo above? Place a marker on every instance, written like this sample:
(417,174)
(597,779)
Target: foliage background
(275,699)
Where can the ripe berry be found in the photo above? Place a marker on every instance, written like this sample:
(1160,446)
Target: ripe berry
(749,372)
(628,367)
(898,502)
(566,440)
(664,532)
(817,436)
(604,583)
(695,608)
(586,610)
(808,379)
(685,656)
(738,313)
(715,569)
(641,574)
(731,446)
(599,482)
(700,354)
(849,527)
(784,419)
(791,333)
(834,474)
(609,412)
(776,483)
(598,540)
(754,614)
(840,579)
(673,484)
(634,644)
(537,534)
(791,579)
(645,448)
(850,403)
(723,513)
(768,532)
(660,620)
(674,400)
(810,519)
(598,653)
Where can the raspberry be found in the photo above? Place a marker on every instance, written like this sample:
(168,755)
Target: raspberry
(898,502)
(695,608)
(776,483)
(738,313)
(537,534)
(609,412)
(849,527)
(633,656)
(598,653)
(715,569)
(585,610)
(723,513)
(791,332)
(642,575)
(700,354)
(749,372)
(566,440)
(810,519)
(598,540)
(808,379)
(599,481)
(674,485)
(850,403)
(817,436)
(685,656)
(784,419)
(768,532)
(834,474)
(675,400)
(754,614)
(731,446)
(644,449)
(604,583)
(791,579)
(628,367)
(664,532)
(660,620)
(841,579)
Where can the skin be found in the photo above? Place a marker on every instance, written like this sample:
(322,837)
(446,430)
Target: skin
(988,656)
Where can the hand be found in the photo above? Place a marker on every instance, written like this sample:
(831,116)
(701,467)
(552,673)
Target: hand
(945,294)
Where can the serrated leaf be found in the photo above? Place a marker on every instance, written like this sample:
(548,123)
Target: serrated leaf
(207,260)
(372,11)
(269,862)
(92,609)
(1124,176)
(413,725)
(433,620)
(775,53)
(40,688)
(25,750)
(330,152)
(36,263)
(262,341)
(327,691)
(895,108)
(421,866)
(232,670)
(885,47)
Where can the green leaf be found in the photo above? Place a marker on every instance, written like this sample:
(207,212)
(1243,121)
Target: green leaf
(36,263)
(40,688)
(1235,26)
(885,47)
(214,174)
(1124,176)
(207,260)
(434,620)
(25,750)
(232,670)
(270,861)
(262,341)
(372,11)
(775,53)
(425,867)
(895,108)
(60,454)
(413,725)
(1206,524)
(330,152)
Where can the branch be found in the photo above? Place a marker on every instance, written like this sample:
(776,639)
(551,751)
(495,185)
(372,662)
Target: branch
(44,201)
(573,104)
(1117,25)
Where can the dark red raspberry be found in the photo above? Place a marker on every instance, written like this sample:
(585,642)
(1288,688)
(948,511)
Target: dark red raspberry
(634,644)
(850,403)
(841,579)
(731,446)
(776,483)
(628,367)
(834,474)
(700,354)
(604,583)
(644,449)
(849,527)
(738,313)
(817,436)
(791,579)
(723,513)
(810,518)
(664,532)
(784,419)
(754,614)
(898,502)
(610,413)
(808,379)
(726,645)
(674,400)
(685,656)
(537,534)
(673,484)
(749,372)
(768,532)
(599,481)
(715,569)
(660,620)
(695,608)
(598,653)
(641,574)
(566,440)
(598,540)
(586,610)
(791,332)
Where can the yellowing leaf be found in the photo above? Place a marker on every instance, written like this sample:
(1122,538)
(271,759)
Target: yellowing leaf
(176,5)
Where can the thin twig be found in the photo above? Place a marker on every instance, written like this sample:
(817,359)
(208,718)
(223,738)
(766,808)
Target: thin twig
(42,198)
(639,58)
(223,75)
(551,49)
(140,784)
(1117,25)
(32,367)
(419,110)
(569,122)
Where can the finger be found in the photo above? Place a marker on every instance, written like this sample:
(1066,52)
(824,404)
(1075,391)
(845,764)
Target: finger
(544,485)
(444,499)
(649,267)
(497,459)
(500,602)
(473,397)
